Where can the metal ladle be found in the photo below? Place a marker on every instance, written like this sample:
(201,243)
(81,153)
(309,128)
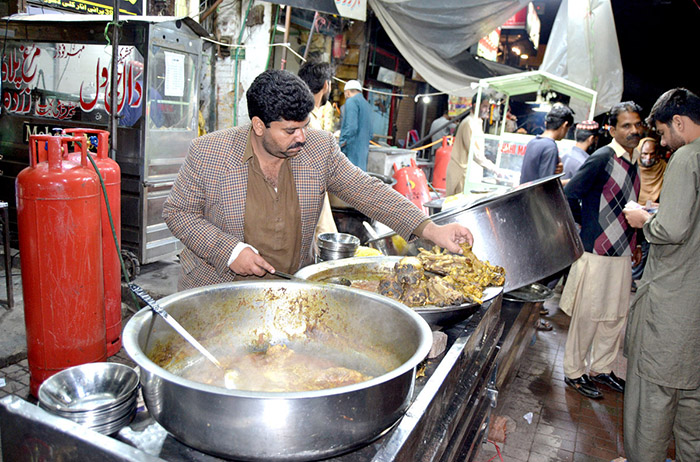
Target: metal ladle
(230,375)
(140,293)
(333,280)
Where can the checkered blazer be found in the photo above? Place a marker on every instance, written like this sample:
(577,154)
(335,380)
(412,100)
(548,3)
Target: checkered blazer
(206,206)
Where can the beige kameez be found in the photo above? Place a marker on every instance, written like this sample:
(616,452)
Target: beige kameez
(468,141)
(597,297)
(325,224)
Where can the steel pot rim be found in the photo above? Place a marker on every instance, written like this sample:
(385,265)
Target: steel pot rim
(138,320)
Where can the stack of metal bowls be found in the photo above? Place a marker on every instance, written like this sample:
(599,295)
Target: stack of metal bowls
(334,246)
(101,396)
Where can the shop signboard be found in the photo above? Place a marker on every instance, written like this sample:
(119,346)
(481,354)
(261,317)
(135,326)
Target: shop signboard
(527,20)
(488,46)
(385,75)
(103,7)
(353,9)
(457,105)
(69,82)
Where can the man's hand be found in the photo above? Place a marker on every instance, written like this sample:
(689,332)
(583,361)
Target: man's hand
(636,217)
(559,168)
(637,256)
(448,236)
(249,263)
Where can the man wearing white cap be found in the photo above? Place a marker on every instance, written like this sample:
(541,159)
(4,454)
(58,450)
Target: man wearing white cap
(356,127)
(586,136)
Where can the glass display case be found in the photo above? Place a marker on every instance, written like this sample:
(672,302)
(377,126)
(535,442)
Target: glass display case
(506,150)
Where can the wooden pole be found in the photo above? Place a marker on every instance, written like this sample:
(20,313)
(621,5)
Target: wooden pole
(287,25)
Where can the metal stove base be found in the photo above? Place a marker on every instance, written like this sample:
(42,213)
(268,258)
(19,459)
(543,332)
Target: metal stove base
(447,419)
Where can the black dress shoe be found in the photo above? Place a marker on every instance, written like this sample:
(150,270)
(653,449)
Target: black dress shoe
(611,381)
(584,386)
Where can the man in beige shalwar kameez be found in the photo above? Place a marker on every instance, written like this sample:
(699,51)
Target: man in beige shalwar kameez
(468,142)
(597,291)
(318,75)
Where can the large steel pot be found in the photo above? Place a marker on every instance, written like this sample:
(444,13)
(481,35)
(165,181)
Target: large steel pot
(308,425)
(528,230)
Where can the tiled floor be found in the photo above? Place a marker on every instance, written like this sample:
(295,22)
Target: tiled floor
(544,419)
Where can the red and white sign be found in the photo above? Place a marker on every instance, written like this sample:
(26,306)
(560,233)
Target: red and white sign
(488,46)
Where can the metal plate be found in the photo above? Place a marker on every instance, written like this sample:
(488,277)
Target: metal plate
(534,292)
(447,315)
(358,268)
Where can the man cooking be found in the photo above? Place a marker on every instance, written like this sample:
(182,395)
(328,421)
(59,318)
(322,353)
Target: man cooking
(247,199)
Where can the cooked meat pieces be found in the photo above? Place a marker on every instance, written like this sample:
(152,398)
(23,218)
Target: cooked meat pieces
(441,293)
(414,294)
(390,287)
(464,277)
(409,270)
(465,272)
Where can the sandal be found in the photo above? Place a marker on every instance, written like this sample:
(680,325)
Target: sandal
(544,311)
(544,325)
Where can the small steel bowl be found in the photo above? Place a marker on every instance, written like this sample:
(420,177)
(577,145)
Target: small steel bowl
(89,388)
(338,242)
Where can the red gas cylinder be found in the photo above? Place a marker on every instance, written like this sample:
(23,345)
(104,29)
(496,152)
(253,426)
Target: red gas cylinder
(411,182)
(442,158)
(58,218)
(111,175)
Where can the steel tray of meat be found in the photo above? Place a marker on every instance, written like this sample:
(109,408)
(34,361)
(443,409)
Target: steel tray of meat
(528,230)
(365,273)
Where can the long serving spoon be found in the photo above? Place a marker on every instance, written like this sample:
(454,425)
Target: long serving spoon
(333,280)
(140,293)
(230,375)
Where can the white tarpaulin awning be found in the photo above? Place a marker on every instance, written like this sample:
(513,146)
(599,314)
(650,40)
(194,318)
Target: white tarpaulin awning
(583,48)
(434,36)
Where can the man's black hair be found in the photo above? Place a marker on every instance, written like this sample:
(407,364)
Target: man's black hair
(278,95)
(619,108)
(678,101)
(556,116)
(582,134)
(484,97)
(315,74)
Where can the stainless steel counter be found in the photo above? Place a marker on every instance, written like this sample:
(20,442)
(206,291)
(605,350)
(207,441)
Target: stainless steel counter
(446,420)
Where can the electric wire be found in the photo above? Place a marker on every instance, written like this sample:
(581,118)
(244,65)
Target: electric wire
(289,48)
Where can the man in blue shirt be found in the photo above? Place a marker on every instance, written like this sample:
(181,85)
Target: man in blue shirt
(542,154)
(356,127)
(586,137)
